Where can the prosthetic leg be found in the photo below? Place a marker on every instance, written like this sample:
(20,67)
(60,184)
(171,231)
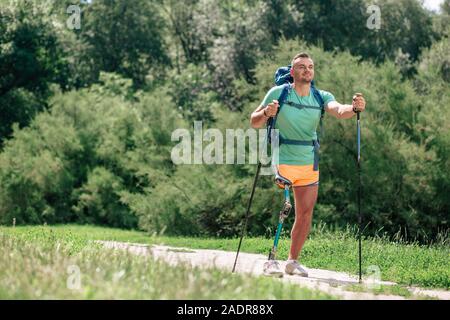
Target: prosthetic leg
(281,181)
(272,267)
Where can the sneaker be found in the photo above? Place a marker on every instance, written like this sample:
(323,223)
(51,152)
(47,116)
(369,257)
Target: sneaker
(272,268)
(294,268)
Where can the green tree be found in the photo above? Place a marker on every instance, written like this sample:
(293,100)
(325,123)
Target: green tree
(405,25)
(30,60)
(192,32)
(282,19)
(126,37)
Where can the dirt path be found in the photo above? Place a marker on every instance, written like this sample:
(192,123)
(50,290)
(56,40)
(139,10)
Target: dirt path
(332,282)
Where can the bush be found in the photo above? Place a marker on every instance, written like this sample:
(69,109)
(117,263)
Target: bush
(76,162)
(99,201)
(36,172)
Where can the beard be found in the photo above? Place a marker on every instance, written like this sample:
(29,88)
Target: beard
(306,79)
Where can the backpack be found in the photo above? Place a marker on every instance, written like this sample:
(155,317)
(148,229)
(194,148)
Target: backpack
(283,77)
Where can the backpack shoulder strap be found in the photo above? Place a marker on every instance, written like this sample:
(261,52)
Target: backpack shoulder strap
(281,100)
(319,99)
(284,94)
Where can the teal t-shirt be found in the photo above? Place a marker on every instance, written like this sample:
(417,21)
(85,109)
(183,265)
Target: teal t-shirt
(296,122)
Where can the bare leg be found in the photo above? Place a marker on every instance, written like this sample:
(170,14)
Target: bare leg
(305,199)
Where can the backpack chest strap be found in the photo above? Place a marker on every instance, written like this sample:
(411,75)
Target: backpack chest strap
(313,143)
(301,106)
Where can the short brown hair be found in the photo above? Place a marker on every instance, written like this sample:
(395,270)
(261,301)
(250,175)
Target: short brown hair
(300,55)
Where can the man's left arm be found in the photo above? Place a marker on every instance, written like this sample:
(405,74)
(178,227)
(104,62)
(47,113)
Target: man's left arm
(346,111)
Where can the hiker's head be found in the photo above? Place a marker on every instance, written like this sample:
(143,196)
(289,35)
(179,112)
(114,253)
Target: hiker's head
(302,68)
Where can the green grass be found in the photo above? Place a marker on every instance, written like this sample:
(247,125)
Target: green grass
(47,268)
(405,264)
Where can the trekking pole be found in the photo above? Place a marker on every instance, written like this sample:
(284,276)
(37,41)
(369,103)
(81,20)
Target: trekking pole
(246,214)
(358,134)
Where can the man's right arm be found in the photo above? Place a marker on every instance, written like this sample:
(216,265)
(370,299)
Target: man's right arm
(258,119)
(260,116)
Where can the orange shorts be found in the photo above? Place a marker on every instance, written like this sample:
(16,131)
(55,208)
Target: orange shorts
(299,175)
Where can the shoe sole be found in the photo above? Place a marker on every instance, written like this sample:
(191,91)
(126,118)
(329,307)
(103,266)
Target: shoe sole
(298,274)
(275,274)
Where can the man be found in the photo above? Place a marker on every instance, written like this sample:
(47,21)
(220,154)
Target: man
(298,120)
